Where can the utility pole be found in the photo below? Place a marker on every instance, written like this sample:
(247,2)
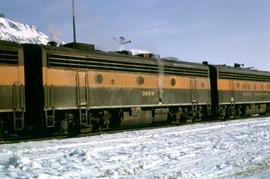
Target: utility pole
(73,17)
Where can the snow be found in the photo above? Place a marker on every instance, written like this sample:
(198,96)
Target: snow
(139,51)
(21,33)
(230,149)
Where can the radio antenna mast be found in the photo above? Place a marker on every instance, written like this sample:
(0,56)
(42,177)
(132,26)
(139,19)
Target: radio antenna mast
(73,18)
(121,41)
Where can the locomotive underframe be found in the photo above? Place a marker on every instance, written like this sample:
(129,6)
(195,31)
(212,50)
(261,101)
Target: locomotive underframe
(87,119)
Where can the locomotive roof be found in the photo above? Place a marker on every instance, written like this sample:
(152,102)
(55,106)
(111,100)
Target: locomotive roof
(248,71)
(115,56)
(183,63)
(9,44)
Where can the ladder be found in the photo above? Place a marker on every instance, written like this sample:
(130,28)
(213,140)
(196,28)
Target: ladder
(50,118)
(18,120)
(49,106)
(84,121)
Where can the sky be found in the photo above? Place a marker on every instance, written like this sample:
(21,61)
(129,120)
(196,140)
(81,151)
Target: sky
(217,31)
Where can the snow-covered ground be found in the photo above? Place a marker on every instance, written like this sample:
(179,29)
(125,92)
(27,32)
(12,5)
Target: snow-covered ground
(231,149)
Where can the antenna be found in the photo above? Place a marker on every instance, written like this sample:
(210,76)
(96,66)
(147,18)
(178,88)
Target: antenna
(121,41)
(73,18)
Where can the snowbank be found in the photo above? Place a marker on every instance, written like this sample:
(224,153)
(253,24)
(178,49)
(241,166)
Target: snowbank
(231,149)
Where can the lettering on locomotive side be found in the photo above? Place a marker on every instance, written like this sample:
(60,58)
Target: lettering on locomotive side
(261,94)
(247,94)
(148,93)
(255,94)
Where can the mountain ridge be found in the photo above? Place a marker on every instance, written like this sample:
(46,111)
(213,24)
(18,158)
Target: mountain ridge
(20,33)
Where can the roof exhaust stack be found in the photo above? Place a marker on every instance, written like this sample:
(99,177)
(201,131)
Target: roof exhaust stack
(205,62)
(237,65)
(80,46)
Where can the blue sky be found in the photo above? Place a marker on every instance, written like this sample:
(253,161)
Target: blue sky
(218,31)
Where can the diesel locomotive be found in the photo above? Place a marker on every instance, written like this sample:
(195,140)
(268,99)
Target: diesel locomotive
(48,89)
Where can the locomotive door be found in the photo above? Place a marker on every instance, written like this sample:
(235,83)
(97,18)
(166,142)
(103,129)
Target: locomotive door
(82,85)
(231,91)
(232,100)
(18,106)
(82,89)
(193,91)
(193,95)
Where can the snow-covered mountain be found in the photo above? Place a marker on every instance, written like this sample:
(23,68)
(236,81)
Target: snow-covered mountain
(21,33)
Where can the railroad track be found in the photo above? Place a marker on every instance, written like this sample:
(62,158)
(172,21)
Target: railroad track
(17,139)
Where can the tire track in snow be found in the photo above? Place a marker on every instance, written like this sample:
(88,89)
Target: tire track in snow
(192,160)
(145,152)
(134,141)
